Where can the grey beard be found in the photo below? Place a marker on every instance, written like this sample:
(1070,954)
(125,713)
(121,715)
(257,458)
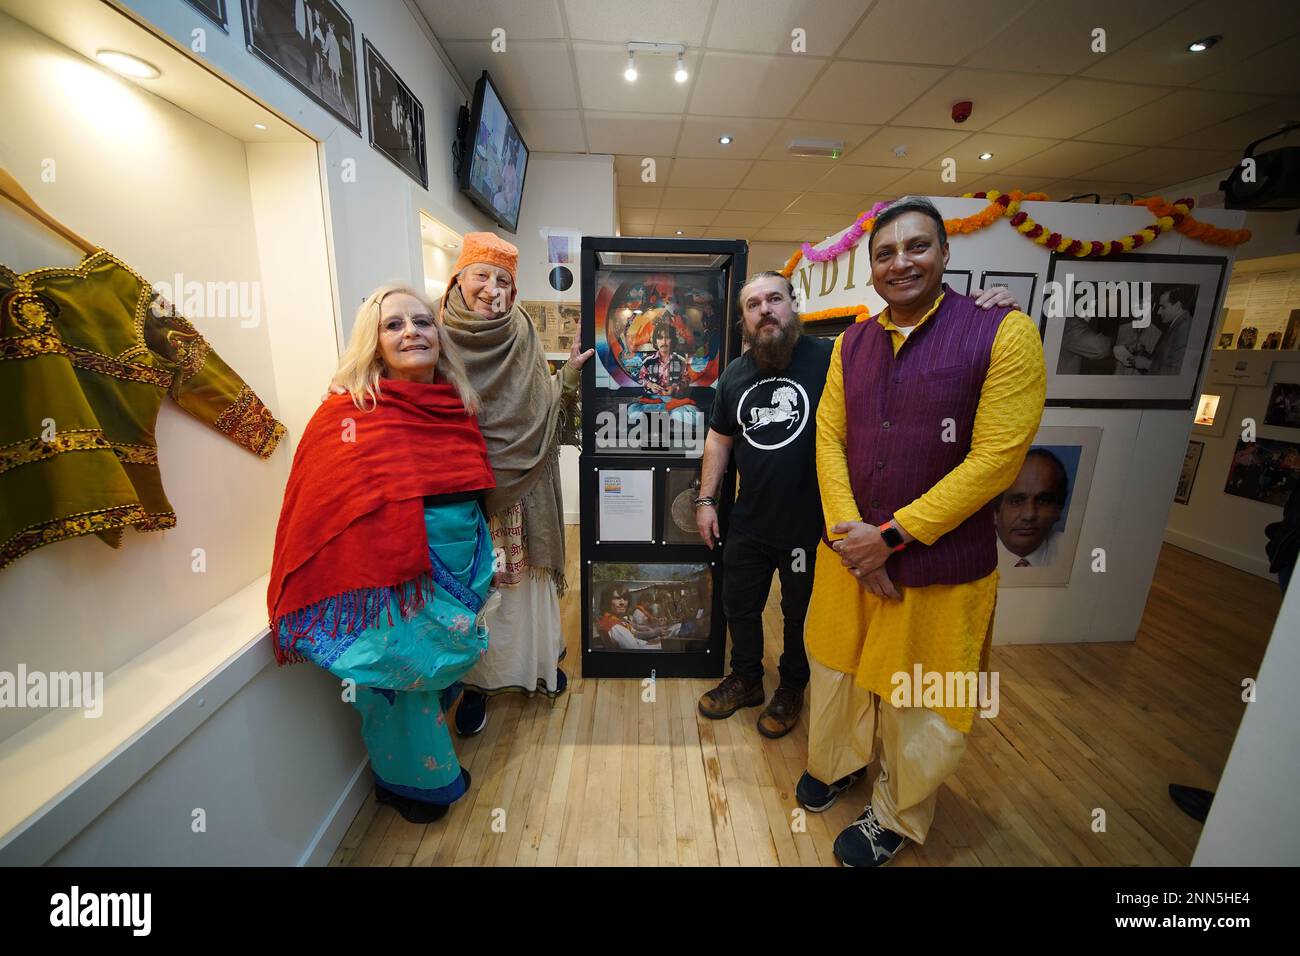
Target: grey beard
(774,355)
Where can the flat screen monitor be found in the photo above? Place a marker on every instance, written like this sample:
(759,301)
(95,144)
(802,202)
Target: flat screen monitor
(496,157)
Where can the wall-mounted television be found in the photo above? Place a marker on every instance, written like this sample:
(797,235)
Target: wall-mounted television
(495,157)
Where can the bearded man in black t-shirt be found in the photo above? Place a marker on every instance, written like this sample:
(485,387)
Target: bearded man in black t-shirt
(765,413)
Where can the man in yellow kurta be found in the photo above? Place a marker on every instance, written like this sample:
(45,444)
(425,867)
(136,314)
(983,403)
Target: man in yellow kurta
(927,415)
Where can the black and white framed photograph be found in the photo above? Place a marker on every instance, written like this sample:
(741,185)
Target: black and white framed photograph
(1187,477)
(958,280)
(312,44)
(395,117)
(651,607)
(681,488)
(1022,285)
(1039,518)
(1128,331)
(214,10)
(1283,406)
(1212,409)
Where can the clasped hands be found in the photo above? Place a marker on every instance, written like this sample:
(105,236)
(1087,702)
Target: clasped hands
(864,553)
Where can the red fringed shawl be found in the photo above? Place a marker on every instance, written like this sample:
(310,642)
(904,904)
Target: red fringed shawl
(352,523)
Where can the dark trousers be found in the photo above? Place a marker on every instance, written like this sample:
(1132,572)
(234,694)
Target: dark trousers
(747,577)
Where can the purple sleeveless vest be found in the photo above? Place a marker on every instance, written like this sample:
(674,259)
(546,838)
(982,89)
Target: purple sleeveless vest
(896,410)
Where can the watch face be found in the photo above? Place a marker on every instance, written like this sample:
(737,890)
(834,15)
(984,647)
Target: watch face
(891,537)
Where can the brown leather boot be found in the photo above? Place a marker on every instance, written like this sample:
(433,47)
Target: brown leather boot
(732,694)
(781,714)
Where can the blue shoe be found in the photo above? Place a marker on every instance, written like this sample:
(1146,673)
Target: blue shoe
(815,796)
(561,682)
(866,842)
(471,715)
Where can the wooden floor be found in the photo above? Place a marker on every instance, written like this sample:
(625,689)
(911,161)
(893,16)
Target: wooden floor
(598,777)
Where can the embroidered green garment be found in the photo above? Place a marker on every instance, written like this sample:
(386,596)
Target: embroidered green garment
(86,355)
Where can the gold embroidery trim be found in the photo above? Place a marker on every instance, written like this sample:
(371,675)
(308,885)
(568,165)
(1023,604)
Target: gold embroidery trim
(86,522)
(28,450)
(250,424)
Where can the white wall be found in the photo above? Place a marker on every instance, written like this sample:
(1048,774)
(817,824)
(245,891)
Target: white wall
(1250,821)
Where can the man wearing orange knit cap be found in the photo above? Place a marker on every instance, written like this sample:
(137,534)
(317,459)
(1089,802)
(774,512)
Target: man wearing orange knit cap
(526,411)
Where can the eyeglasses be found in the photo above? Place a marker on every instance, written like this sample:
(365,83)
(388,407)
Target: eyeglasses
(422,323)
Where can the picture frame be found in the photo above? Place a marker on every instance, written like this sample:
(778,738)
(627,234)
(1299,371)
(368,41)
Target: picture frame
(625,505)
(1283,410)
(214,10)
(958,280)
(276,32)
(677,522)
(1264,470)
(1213,409)
(1022,285)
(1114,359)
(395,117)
(1187,477)
(1031,552)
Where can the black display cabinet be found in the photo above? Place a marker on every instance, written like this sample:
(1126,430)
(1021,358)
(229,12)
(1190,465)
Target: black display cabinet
(662,316)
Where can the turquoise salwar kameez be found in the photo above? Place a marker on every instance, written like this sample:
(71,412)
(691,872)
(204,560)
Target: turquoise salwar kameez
(404,673)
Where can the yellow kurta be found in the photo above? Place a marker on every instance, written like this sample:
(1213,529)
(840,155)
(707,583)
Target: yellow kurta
(944,628)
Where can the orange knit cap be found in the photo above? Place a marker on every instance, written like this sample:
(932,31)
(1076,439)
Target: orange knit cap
(490,248)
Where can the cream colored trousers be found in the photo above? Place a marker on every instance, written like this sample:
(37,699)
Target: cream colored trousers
(918,749)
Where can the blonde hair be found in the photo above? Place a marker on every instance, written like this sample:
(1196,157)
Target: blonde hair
(361,366)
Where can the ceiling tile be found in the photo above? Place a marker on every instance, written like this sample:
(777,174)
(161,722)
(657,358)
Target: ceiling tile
(678,198)
(850,92)
(840,204)
(639,197)
(748,136)
(1069,158)
(729,232)
(1241,130)
(685,217)
(600,80)
(1275,70)
(732,84)
(638,217)
(923,145)
(790,175)
(708,173)
(929,31)
(765,26)
(631,170)
(1056,37)
(663,21)
(767,255)
(1161,55)
(761,200)
(534,76)
(925,182)
(857,179)
(1074,106)
(1175,115)
(785,234)
(736,218)
(850,135)
(1162,166)
(551,131)
(537,20)
(687,232)
(1005,182)
(994,95)
(630,133)
(1005,149)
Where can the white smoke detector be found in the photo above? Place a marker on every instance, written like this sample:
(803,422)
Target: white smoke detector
(821,148)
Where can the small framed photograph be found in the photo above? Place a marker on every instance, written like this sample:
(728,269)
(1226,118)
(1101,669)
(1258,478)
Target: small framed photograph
(681,488)
(1039,518)
(1128,331)
(651,608)
(958,280)
(1283,406)
(1022,285)
(1213,409)
(395,116)
(312,44)
(214,10)
(1191,462)
(1225,340)
(1264,470)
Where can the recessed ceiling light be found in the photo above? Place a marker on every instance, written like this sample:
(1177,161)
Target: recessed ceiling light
(724,140)
(986,155)
(128,65)
(259,126)
(679,232)
(681,74)
(630,73)
(1200,46)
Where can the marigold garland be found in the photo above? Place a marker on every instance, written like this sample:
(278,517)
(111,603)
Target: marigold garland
(1176,216)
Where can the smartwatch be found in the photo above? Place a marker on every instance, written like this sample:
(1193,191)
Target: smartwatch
(892,537)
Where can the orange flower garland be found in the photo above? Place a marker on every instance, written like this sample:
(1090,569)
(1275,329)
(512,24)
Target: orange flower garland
(1176,216)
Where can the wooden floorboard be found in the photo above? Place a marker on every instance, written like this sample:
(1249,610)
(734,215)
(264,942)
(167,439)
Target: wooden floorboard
(609,774)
